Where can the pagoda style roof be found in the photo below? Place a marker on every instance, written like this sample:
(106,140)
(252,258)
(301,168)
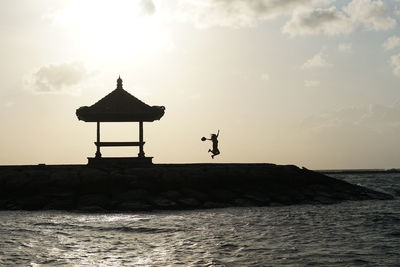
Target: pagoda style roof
(120,106)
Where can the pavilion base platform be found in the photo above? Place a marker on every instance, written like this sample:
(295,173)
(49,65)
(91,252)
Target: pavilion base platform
(120,161)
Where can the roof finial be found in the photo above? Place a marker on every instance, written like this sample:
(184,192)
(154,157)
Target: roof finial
(119,82)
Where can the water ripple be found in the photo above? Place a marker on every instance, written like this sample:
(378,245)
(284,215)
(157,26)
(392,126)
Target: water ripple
(347,234)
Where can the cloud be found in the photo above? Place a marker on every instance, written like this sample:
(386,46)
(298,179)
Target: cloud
(307,16)
(317,61)
(58,78)
(236,13)
(356,124)
(391,43)
(265,77)
(345,47)
(328,21)
(380,115)
(311,83)
(397,11)
(9,104)
(362,136)
(373,117)
(395,62)
(371,15)
(148,7)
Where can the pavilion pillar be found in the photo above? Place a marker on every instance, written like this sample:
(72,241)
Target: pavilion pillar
(141,152)
(98,153)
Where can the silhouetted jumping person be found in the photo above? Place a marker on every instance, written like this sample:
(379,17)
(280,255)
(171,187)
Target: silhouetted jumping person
(214,140)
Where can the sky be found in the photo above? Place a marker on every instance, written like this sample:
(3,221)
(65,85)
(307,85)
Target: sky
(313,83)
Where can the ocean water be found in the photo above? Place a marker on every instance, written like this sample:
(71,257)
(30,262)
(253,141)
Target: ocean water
(365,233)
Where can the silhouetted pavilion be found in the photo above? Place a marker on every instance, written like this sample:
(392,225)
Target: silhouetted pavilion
(120,106)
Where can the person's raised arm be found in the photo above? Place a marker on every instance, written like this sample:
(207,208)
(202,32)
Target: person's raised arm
(218,133)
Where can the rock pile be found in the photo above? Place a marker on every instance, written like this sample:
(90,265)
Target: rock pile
(172,187)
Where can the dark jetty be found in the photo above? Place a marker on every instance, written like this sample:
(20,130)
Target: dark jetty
(170,186)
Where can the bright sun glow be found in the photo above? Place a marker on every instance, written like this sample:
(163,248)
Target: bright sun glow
(114,29)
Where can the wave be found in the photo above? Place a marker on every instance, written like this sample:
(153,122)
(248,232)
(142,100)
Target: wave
(125,229)
(128,229)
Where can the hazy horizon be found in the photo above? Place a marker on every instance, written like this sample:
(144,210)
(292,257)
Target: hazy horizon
(313,83)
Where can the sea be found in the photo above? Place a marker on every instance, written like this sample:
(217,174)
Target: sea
(352,233)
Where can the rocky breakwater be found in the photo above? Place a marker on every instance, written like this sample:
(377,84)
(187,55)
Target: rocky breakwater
(172,187)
